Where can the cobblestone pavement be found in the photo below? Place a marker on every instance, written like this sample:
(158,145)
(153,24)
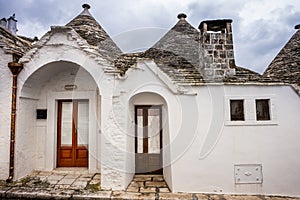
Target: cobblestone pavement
(81,185)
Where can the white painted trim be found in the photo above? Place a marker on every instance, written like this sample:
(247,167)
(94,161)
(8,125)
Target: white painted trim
(174,87)
(250,110)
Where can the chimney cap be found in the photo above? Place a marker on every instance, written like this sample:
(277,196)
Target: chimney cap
(181,16)
(215,25)
(86,6)
(297,26)
(13,17)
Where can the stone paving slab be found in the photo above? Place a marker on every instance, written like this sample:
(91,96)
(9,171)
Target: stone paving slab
(78,186)
(120,195)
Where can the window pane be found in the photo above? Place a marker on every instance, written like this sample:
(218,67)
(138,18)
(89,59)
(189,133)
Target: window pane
(153,131)
(66,124)
(139,130)
(237,110)
(262,109)
(83,123)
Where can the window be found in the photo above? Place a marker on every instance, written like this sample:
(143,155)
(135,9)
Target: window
(262,109)
(237,110)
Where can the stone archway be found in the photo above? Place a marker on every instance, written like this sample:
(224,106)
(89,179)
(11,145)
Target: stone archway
(36,142)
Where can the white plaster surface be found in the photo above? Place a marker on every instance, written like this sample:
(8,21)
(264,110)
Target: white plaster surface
(5,110)
(201,145)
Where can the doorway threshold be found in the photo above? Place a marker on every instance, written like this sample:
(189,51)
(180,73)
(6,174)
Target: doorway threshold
(71,170)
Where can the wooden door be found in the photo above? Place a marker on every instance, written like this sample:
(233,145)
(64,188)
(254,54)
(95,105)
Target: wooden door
(148,139)
(72,133)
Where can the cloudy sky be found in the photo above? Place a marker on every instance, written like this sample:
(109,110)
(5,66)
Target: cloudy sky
(260,27)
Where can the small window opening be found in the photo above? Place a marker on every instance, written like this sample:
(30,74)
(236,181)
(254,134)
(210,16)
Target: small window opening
(237,110)
(262,109)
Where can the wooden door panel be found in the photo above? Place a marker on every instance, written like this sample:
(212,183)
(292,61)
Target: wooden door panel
(82,154)
(66,153)
(69,153)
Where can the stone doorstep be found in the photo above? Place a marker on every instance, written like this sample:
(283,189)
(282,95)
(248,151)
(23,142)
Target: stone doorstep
(90,176)
(142,179)
(70,176)
(66,181)
(147,189)
(55,177)
(137,184)
(156,184)
(147,175)
(158,179)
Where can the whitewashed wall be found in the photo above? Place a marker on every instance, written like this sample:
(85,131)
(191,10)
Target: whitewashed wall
(41,83)
(201,145)
(207,165)
(5,111)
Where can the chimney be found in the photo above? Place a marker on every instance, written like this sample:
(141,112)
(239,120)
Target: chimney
(3,23)
(12,24)
(217,43)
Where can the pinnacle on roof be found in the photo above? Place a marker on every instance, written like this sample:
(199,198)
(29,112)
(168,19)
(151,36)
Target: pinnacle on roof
(87,27)
(177,52)
(90,30)
(181,16)
(85,11)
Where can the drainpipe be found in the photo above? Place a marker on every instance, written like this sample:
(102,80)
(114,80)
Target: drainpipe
(15,69)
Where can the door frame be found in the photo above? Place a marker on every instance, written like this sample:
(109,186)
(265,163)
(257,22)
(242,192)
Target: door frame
(145,140)
(75,147)
(51,130)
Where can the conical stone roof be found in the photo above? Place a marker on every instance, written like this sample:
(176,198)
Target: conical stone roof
(90,30)
(286,65)
(178,53)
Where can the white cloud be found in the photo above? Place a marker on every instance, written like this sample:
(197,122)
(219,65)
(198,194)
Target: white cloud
(261,27)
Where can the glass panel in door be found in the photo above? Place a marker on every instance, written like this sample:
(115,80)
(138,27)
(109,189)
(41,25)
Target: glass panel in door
(83,123)
(66,123)
(154,130)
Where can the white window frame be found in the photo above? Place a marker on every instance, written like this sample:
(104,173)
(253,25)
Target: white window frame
(250,110)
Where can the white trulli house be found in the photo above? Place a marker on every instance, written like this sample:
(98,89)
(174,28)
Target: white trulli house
(182,109)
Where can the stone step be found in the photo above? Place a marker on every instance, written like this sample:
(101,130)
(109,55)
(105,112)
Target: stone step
(148,183)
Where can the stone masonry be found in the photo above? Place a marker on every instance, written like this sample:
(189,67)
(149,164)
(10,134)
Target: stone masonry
(217,43)
(82,185)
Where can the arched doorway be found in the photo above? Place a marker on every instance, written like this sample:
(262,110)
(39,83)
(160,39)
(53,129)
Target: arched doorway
(66,134)
(151,132)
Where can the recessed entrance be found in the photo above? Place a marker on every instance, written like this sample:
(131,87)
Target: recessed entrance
(72,133)
(148,139)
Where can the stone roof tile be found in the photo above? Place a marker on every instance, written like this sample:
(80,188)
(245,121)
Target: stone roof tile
(286,65)
(90,30)
(179,55)
(12,43)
